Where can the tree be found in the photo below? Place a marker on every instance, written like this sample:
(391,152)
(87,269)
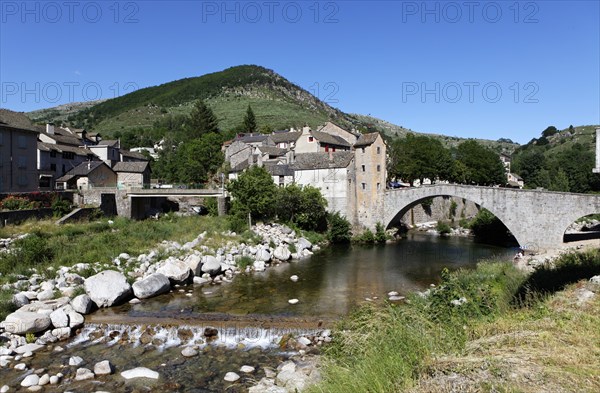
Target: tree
(483,166)
(303,206)
(249,121)
(418,158)
(202,120)
(198,159)
(253,192)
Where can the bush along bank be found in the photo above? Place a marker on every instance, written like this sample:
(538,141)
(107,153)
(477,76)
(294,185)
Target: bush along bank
(53,309)
(491,328)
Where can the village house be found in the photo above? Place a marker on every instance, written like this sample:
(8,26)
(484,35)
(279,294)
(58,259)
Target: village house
(133,174)
(91,174)
(18,150)
(348,168)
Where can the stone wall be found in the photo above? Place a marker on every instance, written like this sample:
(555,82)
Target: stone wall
(440,211)
(17,216)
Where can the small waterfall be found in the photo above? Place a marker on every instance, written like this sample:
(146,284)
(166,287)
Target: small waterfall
(161,337)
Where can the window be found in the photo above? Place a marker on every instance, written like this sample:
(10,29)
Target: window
(378,168)
(281,181)
(68,155)
(311,139)
(326,148)
(364,186)
(53,167)
(333,149)
(63,169)
(52,153)
(45,182)
(378,149)
(22,162)
(22,142)
(22,180)
(363,168)
(1,138)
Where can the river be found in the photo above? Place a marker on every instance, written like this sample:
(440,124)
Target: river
(252,310)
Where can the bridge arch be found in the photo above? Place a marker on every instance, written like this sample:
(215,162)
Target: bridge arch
(498,213)
(537,219)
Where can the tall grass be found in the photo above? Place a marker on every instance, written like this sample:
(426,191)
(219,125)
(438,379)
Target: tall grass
(390,348)
(384,348)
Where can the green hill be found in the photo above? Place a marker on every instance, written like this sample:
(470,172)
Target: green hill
(560,160)
(276,102)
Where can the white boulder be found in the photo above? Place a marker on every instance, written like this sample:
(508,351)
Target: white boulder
(107,288)
(153,285)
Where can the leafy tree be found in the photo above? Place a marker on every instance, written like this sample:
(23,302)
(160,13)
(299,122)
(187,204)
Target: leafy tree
(548,132)
(489,229)
(249,121)
(528,165)
(303,206)
(483,166)
(418,158)
(253,192)
(198,159)
(202,120)
(560,182)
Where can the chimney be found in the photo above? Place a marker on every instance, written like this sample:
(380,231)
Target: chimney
(50,128)
(89,165)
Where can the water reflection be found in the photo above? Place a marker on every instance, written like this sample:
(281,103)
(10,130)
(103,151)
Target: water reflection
(331,282)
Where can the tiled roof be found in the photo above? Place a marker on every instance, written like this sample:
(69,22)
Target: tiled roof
(272,150)
(65,140)
(323,160)
(331,128)
(17,120)
(281,137)
(240,167)
(109,142)
(330,139)
(253,138)
(280,170)
(82,169)
(60,148)
(133,154)
(366,139)
(132,167)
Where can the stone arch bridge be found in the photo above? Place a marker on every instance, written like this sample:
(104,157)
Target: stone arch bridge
(536,218)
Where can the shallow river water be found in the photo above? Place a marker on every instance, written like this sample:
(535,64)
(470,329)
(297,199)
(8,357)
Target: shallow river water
(252,313)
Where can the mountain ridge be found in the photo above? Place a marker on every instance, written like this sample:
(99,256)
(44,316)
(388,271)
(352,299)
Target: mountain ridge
(276,102)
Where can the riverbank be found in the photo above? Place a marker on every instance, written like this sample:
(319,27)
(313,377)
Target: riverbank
(492,328)
(53,298)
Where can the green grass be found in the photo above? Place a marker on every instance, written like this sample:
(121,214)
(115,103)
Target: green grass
(412,347)
(95,242)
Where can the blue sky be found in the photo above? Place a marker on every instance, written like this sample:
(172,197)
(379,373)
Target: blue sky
(471,69)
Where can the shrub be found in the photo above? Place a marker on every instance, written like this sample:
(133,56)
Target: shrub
(244,261)
(453,206)
(339,229)
(60,207)
(443,228)
(12,202)
(211,205)
(380,235)
(366,236)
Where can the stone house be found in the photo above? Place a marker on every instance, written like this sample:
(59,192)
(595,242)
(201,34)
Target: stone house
(371,175)
(332,173)
(514,180)
(18,150)
(285,139)
(108,151)
(54,160)
(318,141)
(88,175)
(133,174)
